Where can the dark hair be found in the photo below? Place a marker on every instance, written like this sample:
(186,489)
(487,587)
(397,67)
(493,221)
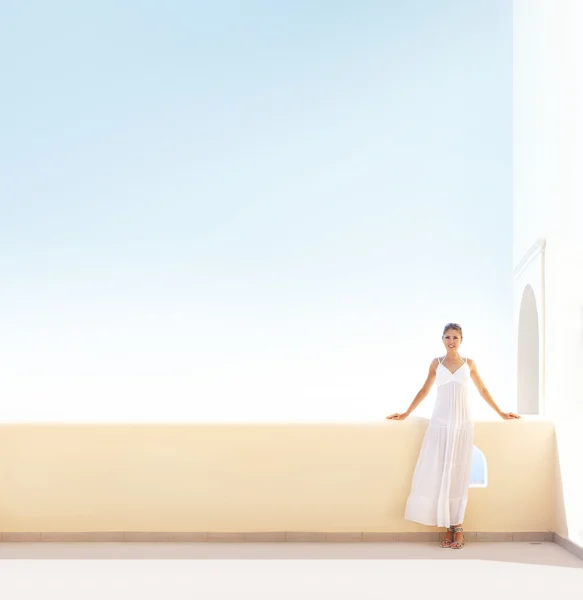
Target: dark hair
(453,326)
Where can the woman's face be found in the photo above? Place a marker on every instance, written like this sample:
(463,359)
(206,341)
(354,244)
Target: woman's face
(451,340)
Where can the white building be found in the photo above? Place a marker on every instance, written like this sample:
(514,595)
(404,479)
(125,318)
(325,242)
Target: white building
(548,234)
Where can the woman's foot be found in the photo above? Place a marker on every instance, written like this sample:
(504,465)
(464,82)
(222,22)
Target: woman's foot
(447,541)
(458,538)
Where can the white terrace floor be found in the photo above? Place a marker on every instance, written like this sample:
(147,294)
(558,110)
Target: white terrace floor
(286,571)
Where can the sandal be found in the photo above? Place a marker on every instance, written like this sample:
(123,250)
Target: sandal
(448,543)
(458,544)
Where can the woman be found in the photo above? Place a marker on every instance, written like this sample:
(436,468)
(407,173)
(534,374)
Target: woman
(439,492)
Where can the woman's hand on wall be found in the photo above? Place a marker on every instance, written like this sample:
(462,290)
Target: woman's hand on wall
(509,415)
(398,416)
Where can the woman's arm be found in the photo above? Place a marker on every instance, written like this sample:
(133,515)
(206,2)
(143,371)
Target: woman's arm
(481,387)
(421,395)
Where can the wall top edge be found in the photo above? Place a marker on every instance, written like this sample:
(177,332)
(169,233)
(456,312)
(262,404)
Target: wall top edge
(243,424)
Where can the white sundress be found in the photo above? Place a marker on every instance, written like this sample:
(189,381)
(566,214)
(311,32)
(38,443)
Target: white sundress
(439,491)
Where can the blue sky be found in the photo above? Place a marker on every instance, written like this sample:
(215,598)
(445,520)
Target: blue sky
(258,211)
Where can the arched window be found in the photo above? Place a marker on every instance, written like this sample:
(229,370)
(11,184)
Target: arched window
(528,355)
(479,476)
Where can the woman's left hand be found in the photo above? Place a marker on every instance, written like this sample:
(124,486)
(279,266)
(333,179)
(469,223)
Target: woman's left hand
(509,415)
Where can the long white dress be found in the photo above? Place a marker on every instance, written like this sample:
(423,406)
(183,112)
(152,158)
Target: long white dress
(439,491)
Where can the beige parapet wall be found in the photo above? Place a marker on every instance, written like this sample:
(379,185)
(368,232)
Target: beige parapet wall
(298,477)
